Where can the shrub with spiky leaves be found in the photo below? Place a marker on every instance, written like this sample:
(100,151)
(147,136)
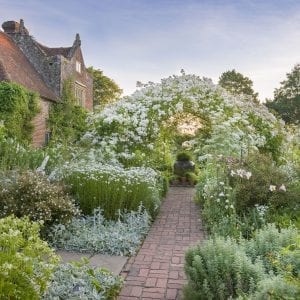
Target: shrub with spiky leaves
(111,187)
(276,288)
(220,269)
(267,243)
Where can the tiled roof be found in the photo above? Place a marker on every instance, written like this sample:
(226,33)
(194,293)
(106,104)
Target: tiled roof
(15,67)
(55,51)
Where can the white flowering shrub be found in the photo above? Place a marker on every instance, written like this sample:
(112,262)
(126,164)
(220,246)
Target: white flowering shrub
(31,194)
(97,235)
(134,124)
(80,281)
(239,197)
(26,262)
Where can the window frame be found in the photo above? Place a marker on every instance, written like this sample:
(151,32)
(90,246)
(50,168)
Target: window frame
(78,67)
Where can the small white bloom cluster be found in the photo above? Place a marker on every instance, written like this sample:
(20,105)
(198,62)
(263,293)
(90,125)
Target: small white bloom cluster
(113,172)
(241,173)
(261,210)
(273,188)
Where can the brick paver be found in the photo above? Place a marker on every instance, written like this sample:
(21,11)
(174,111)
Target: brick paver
(157,271)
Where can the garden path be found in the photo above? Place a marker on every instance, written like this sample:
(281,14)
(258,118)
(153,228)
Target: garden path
(157,271)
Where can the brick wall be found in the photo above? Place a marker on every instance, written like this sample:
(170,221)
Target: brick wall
(40,124)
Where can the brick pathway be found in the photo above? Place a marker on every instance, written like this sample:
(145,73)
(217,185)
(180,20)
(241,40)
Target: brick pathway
(157,272)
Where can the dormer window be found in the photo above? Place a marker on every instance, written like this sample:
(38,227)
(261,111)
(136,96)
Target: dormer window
(78,66)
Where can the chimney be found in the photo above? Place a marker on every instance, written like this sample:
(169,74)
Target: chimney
(11,27)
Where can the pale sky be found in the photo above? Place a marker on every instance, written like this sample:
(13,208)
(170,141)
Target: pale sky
(146,40)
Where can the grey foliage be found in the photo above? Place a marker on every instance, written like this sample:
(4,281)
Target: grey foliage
(79,281)
(96,235)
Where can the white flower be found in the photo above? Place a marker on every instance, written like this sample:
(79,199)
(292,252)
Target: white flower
(282,188)
(248,175)
(272,188)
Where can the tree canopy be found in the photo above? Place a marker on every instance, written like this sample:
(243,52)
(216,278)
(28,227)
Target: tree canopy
(287,97)
(105,89)
(238,84)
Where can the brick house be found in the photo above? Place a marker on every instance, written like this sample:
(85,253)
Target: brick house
(43,70)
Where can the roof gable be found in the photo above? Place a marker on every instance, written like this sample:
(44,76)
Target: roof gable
(64,51)
(14,66)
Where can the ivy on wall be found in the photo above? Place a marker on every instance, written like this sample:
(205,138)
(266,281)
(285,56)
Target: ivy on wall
(67,120)
(18,107)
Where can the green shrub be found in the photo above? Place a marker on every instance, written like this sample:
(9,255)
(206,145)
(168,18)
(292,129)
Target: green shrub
(191,177)
(256,189)
(183,156)
(276,288)
(67,120)
(220,269)
(31,194)
(287,262)
(114,189)
(80,281)
(164,185)
(267,244)
(288,200)
(13,155)
(26,262)
(18,106)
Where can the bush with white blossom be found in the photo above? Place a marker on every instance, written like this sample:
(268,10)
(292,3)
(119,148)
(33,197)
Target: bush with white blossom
(135,122)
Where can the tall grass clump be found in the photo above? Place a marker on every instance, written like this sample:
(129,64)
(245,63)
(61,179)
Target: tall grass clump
(114,188)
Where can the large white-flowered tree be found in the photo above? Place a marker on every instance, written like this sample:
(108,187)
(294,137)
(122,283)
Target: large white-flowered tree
(231,125)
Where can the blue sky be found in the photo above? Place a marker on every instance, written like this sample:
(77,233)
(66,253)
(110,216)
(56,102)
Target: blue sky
(146,40)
